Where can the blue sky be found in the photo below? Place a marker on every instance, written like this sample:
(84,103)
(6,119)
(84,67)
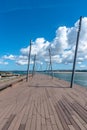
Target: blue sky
(22,20)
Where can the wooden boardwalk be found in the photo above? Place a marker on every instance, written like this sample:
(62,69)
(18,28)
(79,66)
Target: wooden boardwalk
(43,103)
(10,82)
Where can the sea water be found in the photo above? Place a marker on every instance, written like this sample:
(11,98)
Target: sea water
(80,78)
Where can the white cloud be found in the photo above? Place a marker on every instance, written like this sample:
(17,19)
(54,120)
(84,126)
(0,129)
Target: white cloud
(83,66)
(60,42)
(9,57)
(62,47)
(25,51)
(38,47)
(21,57)
(3,63)
(57,59)
(79,63)
(21,62)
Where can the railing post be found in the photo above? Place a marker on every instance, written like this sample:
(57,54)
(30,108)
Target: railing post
(29,54)
(34,66)
(50,62)
(75,56)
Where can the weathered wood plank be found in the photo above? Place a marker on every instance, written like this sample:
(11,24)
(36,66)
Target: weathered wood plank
(43,104)
(7,124)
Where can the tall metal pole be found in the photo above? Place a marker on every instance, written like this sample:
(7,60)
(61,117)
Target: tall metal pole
(50,62)
(34,66)
(29,54)
(76,49)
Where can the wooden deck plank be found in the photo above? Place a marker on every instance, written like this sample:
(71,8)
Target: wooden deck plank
(6,116)
(71,127)
(19,118)
(57,120)
(78,122)
(55,127)
(51,119)
(70,110)
(43,118)
(43,104)
(22,127)
(25,117)
(62,119)
(28,124)
(65,113)
(78,118)
(20,108)
(31,118)
(80,113)
(7,124)
(16,122)
(34,115)
(38,121)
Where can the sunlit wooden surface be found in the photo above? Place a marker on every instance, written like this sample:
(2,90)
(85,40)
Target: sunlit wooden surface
(43,103)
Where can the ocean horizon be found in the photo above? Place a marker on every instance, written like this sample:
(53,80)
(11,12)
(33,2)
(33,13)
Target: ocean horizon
(80,78)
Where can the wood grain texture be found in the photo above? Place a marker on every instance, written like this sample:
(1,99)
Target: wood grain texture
(43,103)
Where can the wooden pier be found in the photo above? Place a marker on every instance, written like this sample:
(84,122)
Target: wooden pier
(43,103)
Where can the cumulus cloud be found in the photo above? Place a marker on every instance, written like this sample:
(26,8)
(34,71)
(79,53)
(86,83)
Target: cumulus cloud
(60,42)
(39,47)
(21,62)
(62,47)
(9,57)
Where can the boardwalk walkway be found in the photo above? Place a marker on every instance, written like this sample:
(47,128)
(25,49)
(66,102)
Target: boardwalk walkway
(43,104)
(10,82)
